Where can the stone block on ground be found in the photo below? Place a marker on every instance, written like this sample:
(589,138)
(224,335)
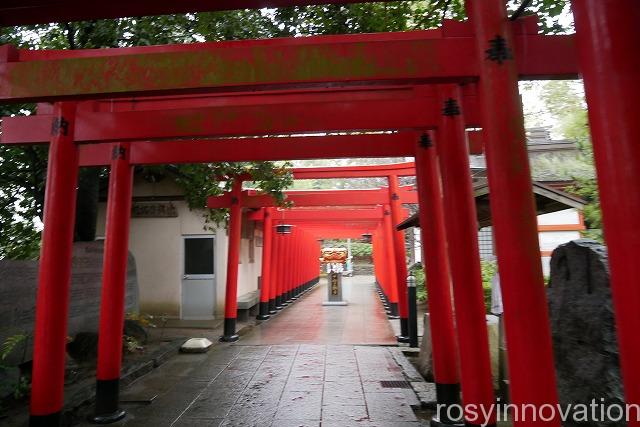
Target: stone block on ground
(196,345)
(424,361)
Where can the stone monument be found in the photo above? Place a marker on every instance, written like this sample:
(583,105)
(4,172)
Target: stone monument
(334,258)
(19,282)
(583,327)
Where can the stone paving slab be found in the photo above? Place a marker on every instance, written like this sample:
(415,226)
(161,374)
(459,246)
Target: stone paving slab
(363,321)
(278,384)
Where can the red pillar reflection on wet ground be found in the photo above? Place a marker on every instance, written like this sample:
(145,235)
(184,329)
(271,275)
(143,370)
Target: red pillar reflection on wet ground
(363,321)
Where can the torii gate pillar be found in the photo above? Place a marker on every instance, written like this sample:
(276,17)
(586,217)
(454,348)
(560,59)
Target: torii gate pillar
(52,305)
(233,259)
(275,271)
(434,254)
(265,291)
(513,212)
(608,38)
(389,258)
(462,238)
(114,278)
(400,257)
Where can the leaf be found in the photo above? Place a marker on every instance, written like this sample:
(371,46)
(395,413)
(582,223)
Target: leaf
(10,344)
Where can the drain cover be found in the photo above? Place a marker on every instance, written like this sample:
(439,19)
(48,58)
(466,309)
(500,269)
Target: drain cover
(395,384)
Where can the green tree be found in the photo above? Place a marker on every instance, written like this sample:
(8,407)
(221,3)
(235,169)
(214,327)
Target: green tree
(565,101)
(23,169)
(202,180)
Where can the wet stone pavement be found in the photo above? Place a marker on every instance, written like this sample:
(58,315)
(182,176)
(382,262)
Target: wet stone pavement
(307,321)
(277,385)
(280,385)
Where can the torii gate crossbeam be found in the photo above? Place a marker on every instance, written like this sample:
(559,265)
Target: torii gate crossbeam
(234,121)
(415,56)
(317,198)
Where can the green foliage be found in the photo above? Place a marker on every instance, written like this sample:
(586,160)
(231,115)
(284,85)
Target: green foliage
(22,176)
(365,17)
(588,190)
(202,180)
(143,319)
(131,344)
(361,250)
(11,343)
(553,14)
(561,168)
(565,101)
(421,284)
(23,170)
(488,270)
(22,386)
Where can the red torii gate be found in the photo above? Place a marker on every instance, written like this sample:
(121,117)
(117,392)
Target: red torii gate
(119,152)
(391,200)
(210,117)
(391,173)
(236,199)
(434,248)
(360,171)
(353,223)
(317,223)
(606,33)
(359,197)
(464,171)
(444,348)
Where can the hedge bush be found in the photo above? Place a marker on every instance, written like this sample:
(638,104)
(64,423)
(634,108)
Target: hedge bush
(488,269)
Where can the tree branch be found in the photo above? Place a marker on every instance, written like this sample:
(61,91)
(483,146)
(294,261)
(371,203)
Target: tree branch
(70,35)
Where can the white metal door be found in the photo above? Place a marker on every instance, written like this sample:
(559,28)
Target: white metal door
(198,290)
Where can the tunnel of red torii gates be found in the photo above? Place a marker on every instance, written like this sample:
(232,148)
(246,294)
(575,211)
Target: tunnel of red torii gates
(391,200)
(373,95)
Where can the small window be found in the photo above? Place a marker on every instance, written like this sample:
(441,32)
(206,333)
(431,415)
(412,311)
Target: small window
(198,256)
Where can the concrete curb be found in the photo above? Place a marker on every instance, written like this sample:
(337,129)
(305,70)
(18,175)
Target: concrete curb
(425,391)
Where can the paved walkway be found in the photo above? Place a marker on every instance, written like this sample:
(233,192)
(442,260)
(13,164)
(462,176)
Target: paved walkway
(363,321)
(264,380)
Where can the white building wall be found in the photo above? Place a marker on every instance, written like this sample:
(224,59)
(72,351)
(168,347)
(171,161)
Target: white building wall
(567,216)
(551,239)
(158,248)
(564,224)
(248,272)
